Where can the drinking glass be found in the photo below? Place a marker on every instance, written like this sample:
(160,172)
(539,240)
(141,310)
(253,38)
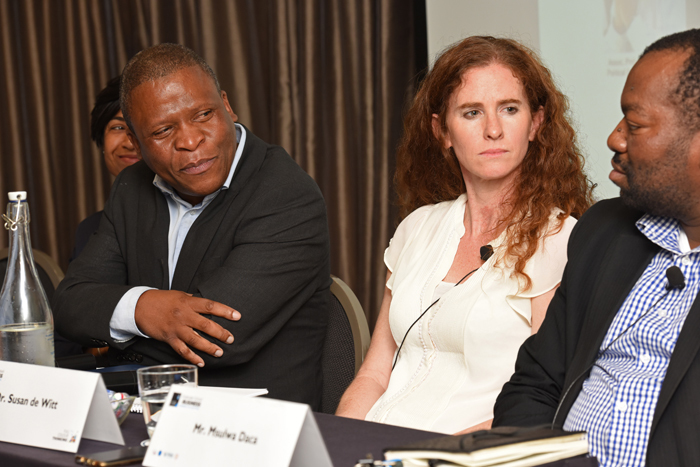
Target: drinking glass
(154,384)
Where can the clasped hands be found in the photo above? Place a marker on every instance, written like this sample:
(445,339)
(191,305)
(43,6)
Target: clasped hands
(176,318)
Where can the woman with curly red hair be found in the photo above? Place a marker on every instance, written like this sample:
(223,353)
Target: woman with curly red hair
(492,177)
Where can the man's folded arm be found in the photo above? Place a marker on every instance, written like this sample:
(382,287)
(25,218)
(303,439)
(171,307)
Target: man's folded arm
(280,261)
(95,282)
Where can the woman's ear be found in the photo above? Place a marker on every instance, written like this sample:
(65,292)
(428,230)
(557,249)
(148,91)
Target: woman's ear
(537,119)
(444,139)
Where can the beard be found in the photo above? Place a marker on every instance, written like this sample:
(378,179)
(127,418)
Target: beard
(661,188)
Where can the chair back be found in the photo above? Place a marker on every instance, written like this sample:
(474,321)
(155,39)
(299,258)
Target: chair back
(346,344)
(50,273)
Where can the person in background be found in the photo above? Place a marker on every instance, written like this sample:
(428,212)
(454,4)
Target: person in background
(491,175)
(108,131)
(617,356)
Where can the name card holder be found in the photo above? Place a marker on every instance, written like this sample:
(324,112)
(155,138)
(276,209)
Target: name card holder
(54,408)
(203,426)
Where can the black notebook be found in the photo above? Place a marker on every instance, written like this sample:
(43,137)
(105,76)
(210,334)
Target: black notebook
(503,447)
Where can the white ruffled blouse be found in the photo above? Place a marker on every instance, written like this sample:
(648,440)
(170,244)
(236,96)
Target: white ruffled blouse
(458,356)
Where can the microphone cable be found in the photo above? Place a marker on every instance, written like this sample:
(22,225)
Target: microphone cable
(485,252)
(676,280)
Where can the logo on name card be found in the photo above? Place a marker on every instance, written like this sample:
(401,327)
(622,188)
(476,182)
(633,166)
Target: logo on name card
(66,436)
(187,402)
(169,455)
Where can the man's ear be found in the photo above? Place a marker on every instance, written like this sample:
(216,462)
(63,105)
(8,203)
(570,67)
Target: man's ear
(537,119)
(228,106)
(444,139)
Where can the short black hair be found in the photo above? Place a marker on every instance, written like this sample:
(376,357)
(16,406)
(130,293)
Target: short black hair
(158,62)
(106,107)
(688,91)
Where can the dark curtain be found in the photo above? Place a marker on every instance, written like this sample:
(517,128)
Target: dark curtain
(327,80)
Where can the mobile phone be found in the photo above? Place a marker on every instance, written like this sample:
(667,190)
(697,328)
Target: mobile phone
(116,457)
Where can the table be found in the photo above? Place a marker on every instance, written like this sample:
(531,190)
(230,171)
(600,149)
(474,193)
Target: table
(347,441)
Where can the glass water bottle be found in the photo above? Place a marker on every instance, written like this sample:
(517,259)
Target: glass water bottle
(26,323)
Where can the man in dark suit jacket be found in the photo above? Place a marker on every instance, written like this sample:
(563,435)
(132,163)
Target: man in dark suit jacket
(214,250)
(617,355)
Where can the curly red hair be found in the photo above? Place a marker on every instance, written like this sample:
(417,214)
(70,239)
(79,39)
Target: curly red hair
(551,175)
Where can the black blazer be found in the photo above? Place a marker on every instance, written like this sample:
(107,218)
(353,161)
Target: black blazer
(261,247)
(607,255)
(86,229)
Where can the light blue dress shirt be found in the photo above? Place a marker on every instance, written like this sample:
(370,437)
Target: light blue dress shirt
(122,326)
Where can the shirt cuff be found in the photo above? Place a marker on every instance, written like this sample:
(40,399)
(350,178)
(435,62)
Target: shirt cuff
(122,326)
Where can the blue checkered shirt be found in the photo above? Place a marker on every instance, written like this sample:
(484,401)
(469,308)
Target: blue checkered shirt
(617,402)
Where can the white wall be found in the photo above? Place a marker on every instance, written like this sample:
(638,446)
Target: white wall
(589,45)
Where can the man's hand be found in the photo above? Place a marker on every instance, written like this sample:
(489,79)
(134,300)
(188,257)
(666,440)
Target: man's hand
(175,317)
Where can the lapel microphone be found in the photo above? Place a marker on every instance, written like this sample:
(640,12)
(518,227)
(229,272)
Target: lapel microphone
(485,252)
(676,280)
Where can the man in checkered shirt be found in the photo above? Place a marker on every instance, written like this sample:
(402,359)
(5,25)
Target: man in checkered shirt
(617,355)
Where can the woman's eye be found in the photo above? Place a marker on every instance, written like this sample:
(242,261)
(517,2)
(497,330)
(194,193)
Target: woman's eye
(471,113)
(511,110)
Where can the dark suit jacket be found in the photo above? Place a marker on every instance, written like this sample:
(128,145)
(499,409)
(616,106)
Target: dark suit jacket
(85,230)
(607,255)
(261,247)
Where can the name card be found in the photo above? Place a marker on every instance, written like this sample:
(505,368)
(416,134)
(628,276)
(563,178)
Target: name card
(203,426)
(54,408)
